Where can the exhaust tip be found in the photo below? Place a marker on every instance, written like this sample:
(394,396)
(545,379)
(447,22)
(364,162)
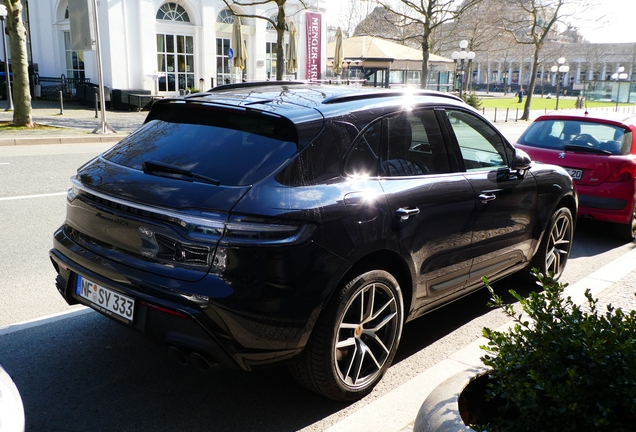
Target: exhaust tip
(201,362)
(178,354)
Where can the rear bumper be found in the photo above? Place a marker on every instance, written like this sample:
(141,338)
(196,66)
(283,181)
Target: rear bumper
(236,325)
(609,203)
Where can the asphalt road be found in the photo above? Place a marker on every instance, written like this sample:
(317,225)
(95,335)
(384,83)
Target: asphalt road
(87,373)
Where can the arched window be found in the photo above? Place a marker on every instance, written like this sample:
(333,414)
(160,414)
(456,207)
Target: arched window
(172,12)
(270,26)
(226,17)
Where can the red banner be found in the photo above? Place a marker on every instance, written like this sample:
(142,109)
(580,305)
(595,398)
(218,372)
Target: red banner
(314,46)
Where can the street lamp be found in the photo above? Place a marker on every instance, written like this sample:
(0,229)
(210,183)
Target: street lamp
(462,56)
(3,14)
(619,75)
(562,69)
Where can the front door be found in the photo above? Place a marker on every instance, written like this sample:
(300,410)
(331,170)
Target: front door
(505,202)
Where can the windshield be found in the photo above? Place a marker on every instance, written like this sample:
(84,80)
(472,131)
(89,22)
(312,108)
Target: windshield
(233,148)
(576,134)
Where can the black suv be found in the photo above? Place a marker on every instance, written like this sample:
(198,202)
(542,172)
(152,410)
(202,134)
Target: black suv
(271,222)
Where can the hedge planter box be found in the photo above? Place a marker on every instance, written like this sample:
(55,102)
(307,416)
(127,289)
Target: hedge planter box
(458,401)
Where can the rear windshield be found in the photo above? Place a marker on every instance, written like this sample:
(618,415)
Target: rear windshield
(235,148)
(556,134)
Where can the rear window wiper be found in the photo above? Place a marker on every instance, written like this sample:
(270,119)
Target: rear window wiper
(585,149)
(160,168)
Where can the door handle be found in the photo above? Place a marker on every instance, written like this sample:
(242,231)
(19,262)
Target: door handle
(485,197)
(405,213)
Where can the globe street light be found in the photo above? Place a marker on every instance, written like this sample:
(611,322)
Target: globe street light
(562,69)
(3,14)
(462,56)
(619,75)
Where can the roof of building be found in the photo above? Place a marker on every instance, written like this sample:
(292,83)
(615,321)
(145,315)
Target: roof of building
(381,53)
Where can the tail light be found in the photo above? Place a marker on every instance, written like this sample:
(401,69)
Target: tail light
(624,173)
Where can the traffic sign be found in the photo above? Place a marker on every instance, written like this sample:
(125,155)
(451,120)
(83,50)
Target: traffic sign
(230,53)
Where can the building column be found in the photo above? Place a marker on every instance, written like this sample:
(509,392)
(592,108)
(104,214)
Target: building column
(604,71)
(499,74)
(478,80)
(509,81)
(577,79)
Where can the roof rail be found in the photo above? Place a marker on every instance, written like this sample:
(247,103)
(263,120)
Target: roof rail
(387,93)
(254,84)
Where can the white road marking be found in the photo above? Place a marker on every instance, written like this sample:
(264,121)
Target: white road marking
(32,196)
(36,322)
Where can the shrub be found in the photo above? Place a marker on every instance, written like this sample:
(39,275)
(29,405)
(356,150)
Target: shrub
(562,367)
(472,100)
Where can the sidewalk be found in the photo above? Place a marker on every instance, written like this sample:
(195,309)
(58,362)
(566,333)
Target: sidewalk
(75,123)
(396,411)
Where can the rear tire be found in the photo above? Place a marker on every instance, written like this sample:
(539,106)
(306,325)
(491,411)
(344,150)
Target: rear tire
(354,340)
(556,244)
(627,232)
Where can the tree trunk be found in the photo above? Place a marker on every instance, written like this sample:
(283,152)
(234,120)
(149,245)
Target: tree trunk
(425,57)
(280,40)
(19,64)
(533,80)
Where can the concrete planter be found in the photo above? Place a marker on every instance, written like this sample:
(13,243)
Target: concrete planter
(441,411)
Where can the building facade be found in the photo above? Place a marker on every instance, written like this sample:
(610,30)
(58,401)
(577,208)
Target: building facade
(591,69)
(168,46)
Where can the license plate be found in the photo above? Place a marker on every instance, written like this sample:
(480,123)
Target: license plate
(575,173)
(106,300)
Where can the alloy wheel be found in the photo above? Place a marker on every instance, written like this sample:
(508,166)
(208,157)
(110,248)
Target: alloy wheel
(559,244)
(366,335)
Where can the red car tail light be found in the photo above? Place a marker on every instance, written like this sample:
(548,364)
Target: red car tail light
(624,173)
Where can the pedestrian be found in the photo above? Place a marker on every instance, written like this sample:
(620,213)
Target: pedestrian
(520,94)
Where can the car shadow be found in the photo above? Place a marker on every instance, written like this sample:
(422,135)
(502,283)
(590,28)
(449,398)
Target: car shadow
(89,373)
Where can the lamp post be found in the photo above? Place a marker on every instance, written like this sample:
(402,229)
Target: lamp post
(619,75)
(562,68)
(462,56)
(3,14)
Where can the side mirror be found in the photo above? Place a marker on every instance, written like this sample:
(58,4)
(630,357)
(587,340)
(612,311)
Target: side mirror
(521,163)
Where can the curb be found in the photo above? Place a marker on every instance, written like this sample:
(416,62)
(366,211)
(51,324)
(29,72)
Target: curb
(43,140)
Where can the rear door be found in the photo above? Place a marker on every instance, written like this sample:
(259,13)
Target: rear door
(431,204)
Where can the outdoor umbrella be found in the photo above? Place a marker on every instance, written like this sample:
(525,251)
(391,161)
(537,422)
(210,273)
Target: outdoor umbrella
(240,53)
(292,51)
(338,57)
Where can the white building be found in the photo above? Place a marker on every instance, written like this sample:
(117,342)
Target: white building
(167,46)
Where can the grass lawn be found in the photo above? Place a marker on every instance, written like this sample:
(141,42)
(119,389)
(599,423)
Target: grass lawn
(539,103)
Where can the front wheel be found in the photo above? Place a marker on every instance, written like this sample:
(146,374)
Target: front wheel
(556,244)
(355,338)
(627,232)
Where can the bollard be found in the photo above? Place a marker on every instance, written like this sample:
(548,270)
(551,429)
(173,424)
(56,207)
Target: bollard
(96,100)
(495,120)
(517,115)
(61,103)
(507,112)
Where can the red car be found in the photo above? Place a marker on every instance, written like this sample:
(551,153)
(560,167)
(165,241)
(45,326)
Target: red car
(598,149)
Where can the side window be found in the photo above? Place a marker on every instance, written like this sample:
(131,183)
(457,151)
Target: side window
(363,158)
(415,145)
(482,148)
(321,161)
